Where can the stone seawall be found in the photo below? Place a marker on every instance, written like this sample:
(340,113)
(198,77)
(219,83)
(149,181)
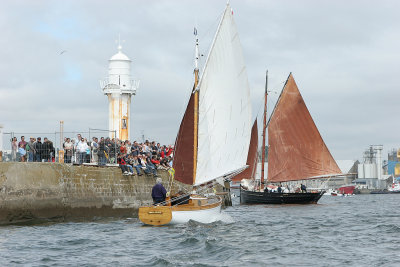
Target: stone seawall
(63,192)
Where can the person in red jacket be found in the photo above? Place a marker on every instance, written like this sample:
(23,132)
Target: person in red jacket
(122,165)
(123,149)
(155,161)
(170,150)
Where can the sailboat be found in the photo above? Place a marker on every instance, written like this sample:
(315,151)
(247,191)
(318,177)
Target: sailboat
(296,151)
(214,134)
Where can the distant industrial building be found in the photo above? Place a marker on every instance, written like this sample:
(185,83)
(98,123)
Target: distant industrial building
(393,163)
(370,171)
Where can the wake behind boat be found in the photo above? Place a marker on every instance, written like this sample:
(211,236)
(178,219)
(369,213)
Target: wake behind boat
(214,132)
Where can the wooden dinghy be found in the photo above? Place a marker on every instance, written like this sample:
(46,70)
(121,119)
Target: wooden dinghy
(198,208)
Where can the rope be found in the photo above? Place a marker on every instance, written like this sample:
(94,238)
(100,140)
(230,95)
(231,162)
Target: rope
(171,172)
(201,190)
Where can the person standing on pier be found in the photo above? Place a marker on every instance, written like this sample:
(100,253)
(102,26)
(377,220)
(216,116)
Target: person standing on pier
(94,149)
(68,146)
(14,149)
(22,152)
(102,152)
(38,149)
(47,148)
(30,149)
(22,142)
(81,150)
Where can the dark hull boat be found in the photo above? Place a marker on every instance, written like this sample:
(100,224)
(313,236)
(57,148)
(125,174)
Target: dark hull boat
(295,150)
(253,197)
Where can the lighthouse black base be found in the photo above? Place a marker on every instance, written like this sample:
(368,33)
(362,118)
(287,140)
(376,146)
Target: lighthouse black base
(252,197)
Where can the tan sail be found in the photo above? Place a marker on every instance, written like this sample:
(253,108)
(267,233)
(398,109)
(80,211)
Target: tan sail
(296,149)
(252,158)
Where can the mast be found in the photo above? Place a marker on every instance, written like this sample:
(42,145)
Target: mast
(264,129)
(196,105)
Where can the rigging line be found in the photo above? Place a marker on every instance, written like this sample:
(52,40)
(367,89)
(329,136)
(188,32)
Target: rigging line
(210,29)
(203,36)
(212,46)
(203,188)
(273,96)
(259,108)
(270,101)
(200,190)
(180,197)
(279,98)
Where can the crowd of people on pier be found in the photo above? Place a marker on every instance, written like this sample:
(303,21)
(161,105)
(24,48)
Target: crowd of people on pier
(132,157)
(33,150)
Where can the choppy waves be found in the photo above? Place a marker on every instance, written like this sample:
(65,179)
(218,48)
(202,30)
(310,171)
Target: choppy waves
(358,231)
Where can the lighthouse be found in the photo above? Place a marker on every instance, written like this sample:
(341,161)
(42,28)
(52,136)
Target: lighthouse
(119,87)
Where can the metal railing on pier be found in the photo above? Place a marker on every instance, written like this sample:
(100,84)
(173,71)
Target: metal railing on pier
(77,147)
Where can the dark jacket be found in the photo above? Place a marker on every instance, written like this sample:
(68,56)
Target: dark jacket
(38,147)
(46,149)
(135,150)
(158,191)
(303,187)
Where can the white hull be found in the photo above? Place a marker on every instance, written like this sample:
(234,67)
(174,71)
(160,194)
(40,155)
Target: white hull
(337,194)
(395,188)
(202,216)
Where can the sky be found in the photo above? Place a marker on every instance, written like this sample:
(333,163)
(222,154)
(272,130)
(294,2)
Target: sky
(344,56)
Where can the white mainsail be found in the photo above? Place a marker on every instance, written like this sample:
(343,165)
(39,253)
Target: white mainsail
(224,126)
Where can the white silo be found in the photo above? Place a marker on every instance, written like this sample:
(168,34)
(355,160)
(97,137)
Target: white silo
(378,150)
(119,88)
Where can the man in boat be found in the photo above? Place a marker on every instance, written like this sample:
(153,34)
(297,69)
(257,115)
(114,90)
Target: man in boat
(287,188)
(303,188)
(280,189)
(158,193)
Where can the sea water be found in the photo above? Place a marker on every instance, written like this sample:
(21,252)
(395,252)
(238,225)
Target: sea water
(361,230)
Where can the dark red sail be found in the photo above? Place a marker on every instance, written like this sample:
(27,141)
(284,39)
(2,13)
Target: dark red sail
(184,146)
(296,149)
(252,157)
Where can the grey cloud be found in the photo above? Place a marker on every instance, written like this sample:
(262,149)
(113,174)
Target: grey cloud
(344,56)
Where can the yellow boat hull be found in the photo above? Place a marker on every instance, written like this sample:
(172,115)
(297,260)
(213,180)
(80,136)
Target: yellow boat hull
(198,209)
(155,215)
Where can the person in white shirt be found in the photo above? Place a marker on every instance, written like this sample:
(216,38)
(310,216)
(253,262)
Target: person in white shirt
(95,147)
(68,146)
(81,149)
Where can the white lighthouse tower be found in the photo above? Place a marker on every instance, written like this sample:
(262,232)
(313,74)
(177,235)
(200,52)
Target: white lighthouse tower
(119,88)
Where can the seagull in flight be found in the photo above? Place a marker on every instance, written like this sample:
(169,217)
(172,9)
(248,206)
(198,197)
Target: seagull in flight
(62,52)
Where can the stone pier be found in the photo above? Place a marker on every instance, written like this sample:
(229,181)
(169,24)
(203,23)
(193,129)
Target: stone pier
(56,191)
